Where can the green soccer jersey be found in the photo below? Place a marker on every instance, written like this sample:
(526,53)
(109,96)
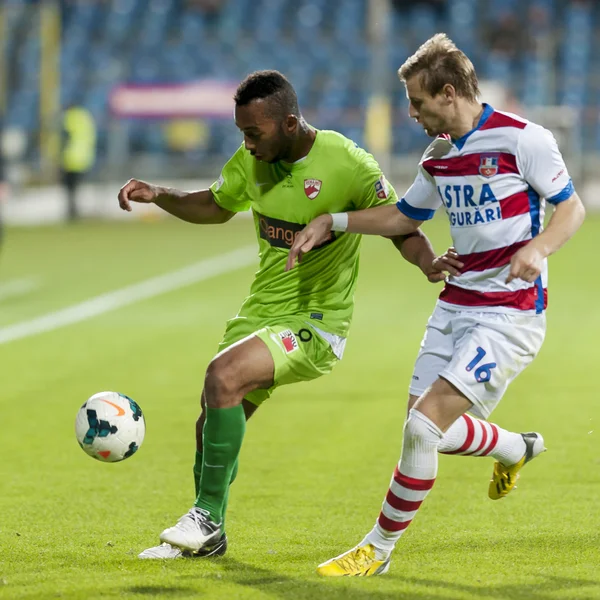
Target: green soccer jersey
(335,176)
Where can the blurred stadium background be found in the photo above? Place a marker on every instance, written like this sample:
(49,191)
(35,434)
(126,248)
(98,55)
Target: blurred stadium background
(139,304)
(157,77)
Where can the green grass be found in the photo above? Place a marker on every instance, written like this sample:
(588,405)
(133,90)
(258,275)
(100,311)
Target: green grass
(317,458)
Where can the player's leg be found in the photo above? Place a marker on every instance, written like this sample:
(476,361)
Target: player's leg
(497,350)
(249,409)
(231,375)
(272,356)
(413,478)
(468,383)
(197,523)
(468,435)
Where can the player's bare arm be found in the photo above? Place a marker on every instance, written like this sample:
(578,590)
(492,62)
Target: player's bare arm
(194,207)
(566,219)
(385,220)
(417,250)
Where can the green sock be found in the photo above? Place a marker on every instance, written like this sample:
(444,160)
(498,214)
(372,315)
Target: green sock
(197,475)
(222,440)
(226,497)
(197,471)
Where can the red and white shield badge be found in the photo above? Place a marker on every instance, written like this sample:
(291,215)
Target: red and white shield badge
(312,187)
(488,165)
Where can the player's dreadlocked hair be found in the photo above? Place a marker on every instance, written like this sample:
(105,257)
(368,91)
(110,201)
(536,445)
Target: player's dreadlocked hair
(272,85)
(438,62)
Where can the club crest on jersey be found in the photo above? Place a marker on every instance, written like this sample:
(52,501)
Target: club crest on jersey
(381,188)
(488,165)
(312,187)
(288,340)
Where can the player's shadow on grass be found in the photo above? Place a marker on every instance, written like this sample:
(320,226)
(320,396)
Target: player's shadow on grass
(158,590)
(543,590)
(290,588)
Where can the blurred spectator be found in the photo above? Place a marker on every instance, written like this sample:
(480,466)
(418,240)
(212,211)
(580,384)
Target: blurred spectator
(3,188)
(207,6)
(187,135)
(506,35)
(540,27)
(78,153)
(439,6)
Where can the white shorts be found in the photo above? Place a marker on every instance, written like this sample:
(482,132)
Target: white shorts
(480,353)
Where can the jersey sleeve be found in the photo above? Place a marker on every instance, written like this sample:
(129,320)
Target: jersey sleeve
(230,190)
(421,199)
(370,187)
(542,165)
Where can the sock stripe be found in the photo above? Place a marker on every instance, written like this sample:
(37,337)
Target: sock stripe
(390,525)
(493,442)
(412,483)
(400,503)
(469,439)
(483,439)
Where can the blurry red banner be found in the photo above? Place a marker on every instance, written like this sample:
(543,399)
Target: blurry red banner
(155,101)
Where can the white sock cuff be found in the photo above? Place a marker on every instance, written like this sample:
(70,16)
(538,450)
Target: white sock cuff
(417,423)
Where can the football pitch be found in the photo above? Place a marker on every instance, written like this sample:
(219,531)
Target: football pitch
(317,457)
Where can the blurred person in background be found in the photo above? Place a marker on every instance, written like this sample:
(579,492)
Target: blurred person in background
(78,153)
(3,186)
(210,7)
(506,35)
(293,326)
(404,6)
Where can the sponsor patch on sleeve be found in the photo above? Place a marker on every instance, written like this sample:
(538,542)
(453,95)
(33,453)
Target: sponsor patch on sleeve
(381,188)
(288,340)
(219,182)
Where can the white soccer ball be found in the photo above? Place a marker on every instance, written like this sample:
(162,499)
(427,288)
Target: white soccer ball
(110,426)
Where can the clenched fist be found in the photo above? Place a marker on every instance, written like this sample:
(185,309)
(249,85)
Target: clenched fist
(137,191)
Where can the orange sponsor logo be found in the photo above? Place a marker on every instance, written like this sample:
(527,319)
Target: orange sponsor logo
(282,234)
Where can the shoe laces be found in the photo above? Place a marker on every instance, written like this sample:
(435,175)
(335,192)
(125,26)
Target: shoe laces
(357,559)
(199,515)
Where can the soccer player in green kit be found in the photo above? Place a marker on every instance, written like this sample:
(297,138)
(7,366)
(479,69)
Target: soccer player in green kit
(293,326)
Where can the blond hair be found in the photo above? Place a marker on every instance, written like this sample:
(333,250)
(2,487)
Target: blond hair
(439,62)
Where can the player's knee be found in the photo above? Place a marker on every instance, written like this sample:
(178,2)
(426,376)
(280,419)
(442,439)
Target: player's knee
(419,427)
(220,383)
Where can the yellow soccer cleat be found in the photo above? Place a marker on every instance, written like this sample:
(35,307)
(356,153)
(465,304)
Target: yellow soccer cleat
(504,478)
(358,562)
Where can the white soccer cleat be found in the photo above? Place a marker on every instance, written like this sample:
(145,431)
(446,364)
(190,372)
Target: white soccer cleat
(193,531)
(163,551)
(166,551)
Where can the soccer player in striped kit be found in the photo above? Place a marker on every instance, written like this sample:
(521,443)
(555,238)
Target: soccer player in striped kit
(492,172)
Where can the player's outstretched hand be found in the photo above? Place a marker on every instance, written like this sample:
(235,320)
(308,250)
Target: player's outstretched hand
(136,191)
(316,232)
(526,264)
(449,262)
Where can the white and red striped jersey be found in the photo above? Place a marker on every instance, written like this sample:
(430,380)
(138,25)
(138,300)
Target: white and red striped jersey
(492,183)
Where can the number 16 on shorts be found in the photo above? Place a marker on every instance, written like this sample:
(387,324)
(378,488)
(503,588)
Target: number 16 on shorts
(482,373)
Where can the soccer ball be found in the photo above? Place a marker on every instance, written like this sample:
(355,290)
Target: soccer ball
(110,426)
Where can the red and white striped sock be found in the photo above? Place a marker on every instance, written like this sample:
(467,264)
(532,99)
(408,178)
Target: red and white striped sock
(469,436)
(413,478)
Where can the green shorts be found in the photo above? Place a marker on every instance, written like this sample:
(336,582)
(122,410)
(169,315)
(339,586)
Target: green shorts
(298,351)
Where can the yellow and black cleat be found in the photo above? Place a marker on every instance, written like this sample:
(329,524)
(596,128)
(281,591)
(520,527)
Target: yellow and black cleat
(504,478)
(358,562)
